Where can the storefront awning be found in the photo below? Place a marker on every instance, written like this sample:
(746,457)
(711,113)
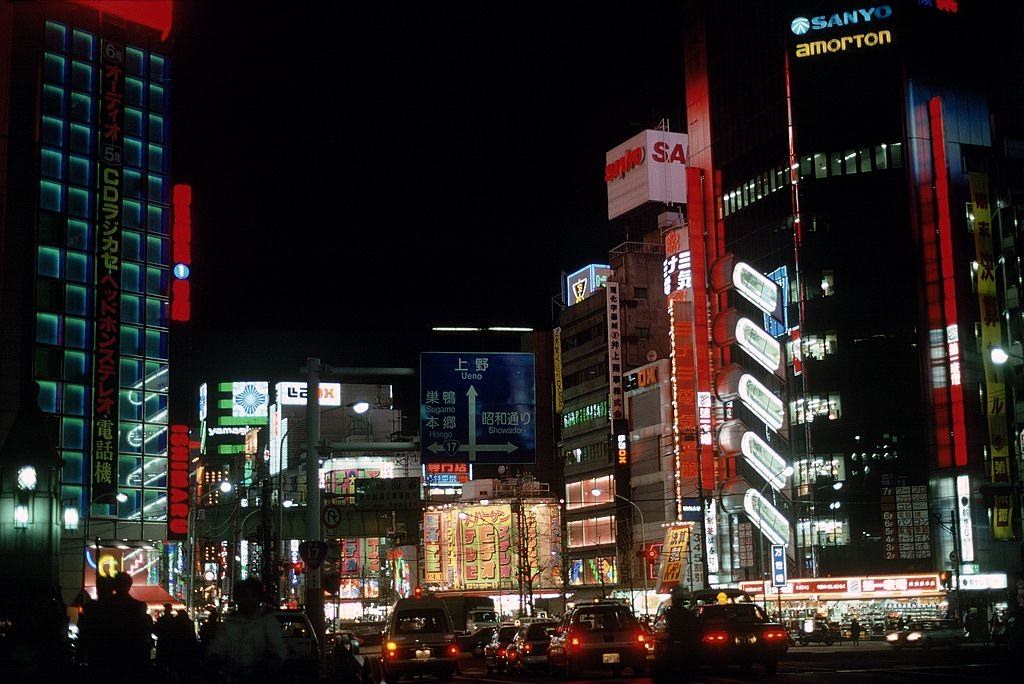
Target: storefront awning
(153,595)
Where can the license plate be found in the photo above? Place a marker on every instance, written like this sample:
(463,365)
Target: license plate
(609,658)
(423,655)
(745,640)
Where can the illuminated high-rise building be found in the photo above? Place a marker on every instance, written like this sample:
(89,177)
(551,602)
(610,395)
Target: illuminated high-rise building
(86,306)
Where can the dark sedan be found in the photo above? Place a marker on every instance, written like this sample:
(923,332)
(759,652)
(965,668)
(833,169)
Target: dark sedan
(496,652)
(741,634)
(529,649)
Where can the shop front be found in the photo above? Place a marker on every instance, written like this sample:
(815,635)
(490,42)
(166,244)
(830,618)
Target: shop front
(880,604)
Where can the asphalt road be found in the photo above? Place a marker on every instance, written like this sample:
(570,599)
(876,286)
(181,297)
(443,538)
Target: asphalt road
(871,661)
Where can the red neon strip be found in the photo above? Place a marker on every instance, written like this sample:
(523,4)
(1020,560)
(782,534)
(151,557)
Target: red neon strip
(944,223)
(155,14)
(181,232)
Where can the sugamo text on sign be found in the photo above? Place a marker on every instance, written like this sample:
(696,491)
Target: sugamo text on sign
(477,407)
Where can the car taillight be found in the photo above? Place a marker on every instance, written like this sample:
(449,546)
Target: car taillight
(715,638)
(392,646)
(574,640)
(775,635)
(453,649)
(527,648)
(641,638)
(501,651)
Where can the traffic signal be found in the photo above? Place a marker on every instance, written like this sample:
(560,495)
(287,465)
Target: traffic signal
(418,592)
(651,554)
(299,567)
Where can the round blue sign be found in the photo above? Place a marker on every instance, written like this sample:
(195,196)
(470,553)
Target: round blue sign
(181,271)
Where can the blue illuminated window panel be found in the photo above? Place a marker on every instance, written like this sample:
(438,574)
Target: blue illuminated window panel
(79,267)
(52,101)
(54,68)
(51,163)
(52,132)
(79,170)
(81,138)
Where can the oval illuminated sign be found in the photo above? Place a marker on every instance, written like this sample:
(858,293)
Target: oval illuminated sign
(761,346)
(761,402)
(764,459)
(766,517)
(756,287)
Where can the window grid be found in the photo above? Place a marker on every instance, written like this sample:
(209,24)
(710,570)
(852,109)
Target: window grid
(69,95)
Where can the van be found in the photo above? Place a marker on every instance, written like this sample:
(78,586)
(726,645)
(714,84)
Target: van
(419,639)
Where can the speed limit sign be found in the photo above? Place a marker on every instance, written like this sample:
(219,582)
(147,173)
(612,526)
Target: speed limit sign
(331,516)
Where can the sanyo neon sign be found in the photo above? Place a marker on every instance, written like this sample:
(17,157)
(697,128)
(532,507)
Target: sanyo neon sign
(802,25)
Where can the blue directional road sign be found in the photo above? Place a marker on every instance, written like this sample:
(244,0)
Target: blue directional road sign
(477,408)
(778,565)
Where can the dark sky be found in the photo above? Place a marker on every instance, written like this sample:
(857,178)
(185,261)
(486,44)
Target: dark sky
(391,168)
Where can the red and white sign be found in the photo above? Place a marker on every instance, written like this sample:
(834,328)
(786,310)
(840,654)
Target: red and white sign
(294,393)
(649,167)
(177,486)
(855,587)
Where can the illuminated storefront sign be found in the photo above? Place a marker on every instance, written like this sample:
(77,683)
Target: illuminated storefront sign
(447,473)
(766,517)
(294,393)
(629,160)
(711,535)
(991,337)
(181,246)
(823,47)
(801,25)
(677,273)
(105,432)
(649,167)
(673,557)
(586,282)
(981,582)
(476,547)
(203,401)
(616,401)
(854,587)
(178,484)
(963,496)
(622,449)
(643,377)
(249,399)
(559,386)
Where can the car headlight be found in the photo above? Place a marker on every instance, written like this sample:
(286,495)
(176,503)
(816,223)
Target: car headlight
(892,637)
(913,636)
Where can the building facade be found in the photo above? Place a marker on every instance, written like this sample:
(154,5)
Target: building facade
(87,258)
(856,173)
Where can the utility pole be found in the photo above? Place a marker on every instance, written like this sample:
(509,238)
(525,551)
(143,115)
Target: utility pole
(314,591)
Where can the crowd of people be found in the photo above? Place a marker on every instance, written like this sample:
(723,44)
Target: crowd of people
(116,635)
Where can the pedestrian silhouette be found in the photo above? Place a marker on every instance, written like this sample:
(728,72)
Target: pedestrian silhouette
(166,642)
(855,632)
(208,631)
(115,631)
(248,646)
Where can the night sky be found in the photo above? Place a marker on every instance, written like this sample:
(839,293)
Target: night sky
(372,172)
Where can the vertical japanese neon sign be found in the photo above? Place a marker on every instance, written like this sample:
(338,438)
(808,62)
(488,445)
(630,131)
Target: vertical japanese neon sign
(106,364)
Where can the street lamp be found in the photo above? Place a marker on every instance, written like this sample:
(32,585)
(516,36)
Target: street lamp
(596,492)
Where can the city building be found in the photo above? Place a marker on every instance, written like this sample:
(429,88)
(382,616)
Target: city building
(86,300)
(250,494)
(843,179)
(613,467)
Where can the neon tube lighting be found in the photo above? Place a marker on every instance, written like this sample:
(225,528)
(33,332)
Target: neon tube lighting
(761,346)
(766,517)
(761,402)
(764,460)
(756,287)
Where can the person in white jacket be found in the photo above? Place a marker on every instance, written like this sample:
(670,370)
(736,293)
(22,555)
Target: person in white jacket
(248,645)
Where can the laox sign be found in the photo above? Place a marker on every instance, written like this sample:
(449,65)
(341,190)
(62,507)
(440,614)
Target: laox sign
(661,152)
